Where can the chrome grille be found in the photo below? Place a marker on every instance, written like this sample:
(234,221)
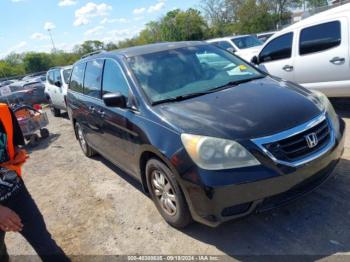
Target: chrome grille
(291,147)
(296,147)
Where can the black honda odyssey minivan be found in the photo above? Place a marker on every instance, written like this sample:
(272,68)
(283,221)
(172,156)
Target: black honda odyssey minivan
(210,137)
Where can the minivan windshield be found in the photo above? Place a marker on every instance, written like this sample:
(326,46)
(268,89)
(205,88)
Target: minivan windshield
(180,73)
(246,41)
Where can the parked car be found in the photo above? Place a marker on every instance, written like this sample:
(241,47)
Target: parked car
(202,130)
(41,78)
(245,46)
(56,88)
(263,37)
(6,82)
(23,92)
(34,76)
(313,52)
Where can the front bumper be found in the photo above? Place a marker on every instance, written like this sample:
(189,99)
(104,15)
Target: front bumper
(221,196)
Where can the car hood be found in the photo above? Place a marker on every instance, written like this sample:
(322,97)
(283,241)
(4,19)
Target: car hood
(255,109)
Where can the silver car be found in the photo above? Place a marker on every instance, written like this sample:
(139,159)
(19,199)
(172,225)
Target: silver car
(313,52)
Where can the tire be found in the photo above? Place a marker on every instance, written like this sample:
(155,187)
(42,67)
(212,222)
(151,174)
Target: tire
(87,150)
(34,140)
(65,101)
(44,133)
(167,194)
(56,112)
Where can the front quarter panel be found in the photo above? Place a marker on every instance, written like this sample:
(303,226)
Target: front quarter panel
(154,137)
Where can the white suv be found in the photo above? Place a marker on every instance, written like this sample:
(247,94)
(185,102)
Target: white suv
(245,46)
(313,52)
(56,86)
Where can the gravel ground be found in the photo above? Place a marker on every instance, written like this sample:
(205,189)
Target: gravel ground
(92,208)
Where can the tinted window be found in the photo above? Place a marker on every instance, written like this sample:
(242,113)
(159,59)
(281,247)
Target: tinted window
(76,83)
(279,48)
(263,38)
(51,77)
(224,45)
(320,37)
(66,75)
(113,79)
(93,77)
(246,42)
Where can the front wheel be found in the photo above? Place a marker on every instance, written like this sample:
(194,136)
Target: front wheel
(87,150)
(166,194)
(56,112)
(44,133)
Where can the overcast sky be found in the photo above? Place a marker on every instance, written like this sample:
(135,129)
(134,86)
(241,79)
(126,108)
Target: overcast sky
(24,23)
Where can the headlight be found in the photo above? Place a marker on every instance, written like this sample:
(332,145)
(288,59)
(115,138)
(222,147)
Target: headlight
(325,105)
(212,153)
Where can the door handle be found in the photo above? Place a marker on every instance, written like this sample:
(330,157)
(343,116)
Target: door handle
(288,68)
(337,60)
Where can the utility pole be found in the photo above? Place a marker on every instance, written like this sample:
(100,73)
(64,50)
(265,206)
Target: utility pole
(53,44)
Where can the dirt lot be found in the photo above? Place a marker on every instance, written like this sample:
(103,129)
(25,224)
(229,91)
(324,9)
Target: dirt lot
(93,208)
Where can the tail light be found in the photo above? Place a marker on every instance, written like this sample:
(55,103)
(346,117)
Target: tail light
(37,107)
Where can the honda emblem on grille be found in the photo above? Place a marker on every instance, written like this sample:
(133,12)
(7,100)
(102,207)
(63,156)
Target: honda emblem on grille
(311,140)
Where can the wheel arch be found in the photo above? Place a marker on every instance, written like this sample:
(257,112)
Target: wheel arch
(48,97)
(149,153)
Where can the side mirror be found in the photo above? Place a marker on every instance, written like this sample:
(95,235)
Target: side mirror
(58,84)
(255,60)
(231,50)
(114,100)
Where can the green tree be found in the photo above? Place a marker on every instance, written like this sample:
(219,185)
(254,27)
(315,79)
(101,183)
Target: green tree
(151,34)
(191,25)
(14,59)
(7,70)
(254,17)
(315,3)
(111,46)
(89,47)
(36,62)
(180,25)
(61,58)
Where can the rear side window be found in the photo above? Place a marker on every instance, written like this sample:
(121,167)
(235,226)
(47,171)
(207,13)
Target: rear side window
(277,49)
(51,77)
(93,77)
(320,37)
(57,76)
(114,80)
(76,82)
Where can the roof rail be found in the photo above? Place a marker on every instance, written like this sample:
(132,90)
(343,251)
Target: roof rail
(93,53)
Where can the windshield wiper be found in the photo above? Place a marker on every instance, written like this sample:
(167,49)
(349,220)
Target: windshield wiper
(237,82)
(216,89)
(180,98)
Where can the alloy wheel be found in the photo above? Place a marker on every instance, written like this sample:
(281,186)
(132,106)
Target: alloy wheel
(164,192)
